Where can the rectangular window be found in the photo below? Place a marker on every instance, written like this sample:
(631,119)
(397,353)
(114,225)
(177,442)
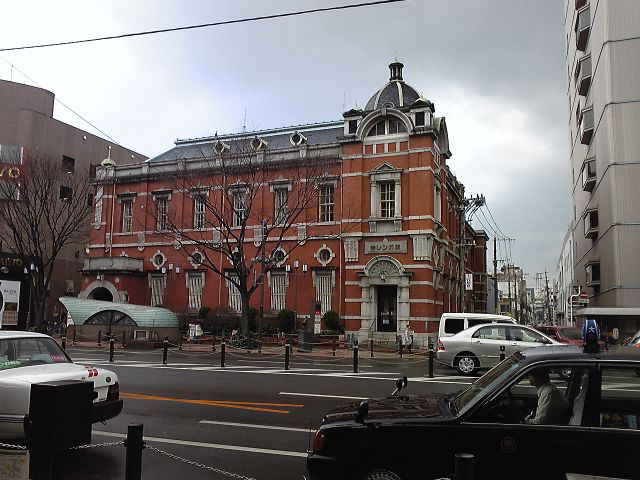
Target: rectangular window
(324,290)
(618,408)
(387,200)
(162,213)
(198,212)
(235,299)
(195,283)
(239,208)
(89,199)
(419,119)
(68,164)
(278,286)
(66,194)
(158,283)
(592,271)
(92,171)
(282,205)
(127,215)
(326,203)
(437,204)
(353,126)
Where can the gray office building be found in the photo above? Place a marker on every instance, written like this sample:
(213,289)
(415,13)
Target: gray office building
(603,72)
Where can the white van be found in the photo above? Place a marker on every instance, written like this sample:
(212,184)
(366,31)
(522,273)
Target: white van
(452,323)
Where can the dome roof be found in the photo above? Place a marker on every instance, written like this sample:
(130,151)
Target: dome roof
(396,93)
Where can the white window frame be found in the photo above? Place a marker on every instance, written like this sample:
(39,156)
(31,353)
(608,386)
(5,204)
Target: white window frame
(386,173)
(278,283)
(195,286)
(235,298)
(387,199)
(326,202)
(239,207)
(162,211)
(127,215)
(157,282)
(324,282)
(281,204)
(199,211)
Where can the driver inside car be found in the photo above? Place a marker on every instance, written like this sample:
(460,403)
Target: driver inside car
(552,408)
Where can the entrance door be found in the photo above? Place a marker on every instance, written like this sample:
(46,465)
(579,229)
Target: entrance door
(387,308)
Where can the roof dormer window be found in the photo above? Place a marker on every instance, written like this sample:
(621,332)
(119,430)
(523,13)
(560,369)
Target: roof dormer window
(387,126)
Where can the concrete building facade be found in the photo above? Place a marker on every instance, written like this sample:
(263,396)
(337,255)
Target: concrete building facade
(603,73)
(27,127)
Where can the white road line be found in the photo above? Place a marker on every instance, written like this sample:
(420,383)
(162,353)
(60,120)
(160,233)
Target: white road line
(322,396)
(219,446)
(250,425)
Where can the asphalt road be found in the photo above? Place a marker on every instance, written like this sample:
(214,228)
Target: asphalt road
(251,418)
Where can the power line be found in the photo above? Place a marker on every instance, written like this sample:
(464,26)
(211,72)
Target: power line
(495,223)
(57,99)
(205,25)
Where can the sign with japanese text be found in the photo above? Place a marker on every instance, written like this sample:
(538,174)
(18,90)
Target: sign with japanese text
(9,301)
(385,246)
(468,281)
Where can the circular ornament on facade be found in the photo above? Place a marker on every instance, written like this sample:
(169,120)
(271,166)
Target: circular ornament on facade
(324,255)
(296,139)
(278,256)
(220,147)
(116,280)
(258,143)
(384,269)
(158,259)
(196,259)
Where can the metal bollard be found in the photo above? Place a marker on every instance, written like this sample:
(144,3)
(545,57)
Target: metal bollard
(223,348)
(502,353)
(165,347)
(112,344)
(355,357)
(333,347)
(213,342)
(180,344)
(64,342)
(260,343)
(74,335)
(134,444)
(287,349)
(430,360)
(99,337)
(464,466)
(124,339)
(371,348)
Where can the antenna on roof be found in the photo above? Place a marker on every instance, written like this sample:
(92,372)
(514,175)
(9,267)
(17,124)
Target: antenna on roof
(344,101)
(244,121)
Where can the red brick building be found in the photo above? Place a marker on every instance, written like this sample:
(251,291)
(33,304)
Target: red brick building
(380,245)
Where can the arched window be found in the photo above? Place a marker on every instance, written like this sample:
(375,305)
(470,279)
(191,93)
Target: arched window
(110,317)
(387,126)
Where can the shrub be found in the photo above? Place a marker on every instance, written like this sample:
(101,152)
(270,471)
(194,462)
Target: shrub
(253,319)
(332,321)
(286,321)
(203,312)
(222,318)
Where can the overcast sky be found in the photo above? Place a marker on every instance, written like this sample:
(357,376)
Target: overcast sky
(493,68)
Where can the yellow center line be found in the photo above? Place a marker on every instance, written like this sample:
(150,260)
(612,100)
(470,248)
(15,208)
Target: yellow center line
(216,403)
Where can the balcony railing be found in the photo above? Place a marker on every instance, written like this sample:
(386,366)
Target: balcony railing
(583,79)
(583,25)
(586,126)
(589,175)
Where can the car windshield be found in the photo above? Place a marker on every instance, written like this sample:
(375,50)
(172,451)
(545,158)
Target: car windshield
(486,382)
(571,333)
(24,352)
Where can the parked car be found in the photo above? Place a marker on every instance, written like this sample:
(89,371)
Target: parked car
(563,334)
(452,323)
(633,341)
(29,358)
(478,348)
(417,436)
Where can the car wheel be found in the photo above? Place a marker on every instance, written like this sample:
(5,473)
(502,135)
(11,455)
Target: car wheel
(467,363)
(382,475)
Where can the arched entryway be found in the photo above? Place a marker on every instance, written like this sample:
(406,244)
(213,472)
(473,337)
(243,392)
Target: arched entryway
(101,293)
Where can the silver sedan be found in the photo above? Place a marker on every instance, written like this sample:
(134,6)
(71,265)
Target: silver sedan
(478,347)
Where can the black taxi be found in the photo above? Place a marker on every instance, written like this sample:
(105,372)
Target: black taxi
(416,437)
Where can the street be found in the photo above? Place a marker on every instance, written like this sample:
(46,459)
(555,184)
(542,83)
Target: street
(251,418)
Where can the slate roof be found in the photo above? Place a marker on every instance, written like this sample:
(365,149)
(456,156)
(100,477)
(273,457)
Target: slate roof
(277,139)
(396,93)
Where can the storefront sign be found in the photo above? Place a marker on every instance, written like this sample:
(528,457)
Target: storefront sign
(468,281)
(9,302)
(385,246)
(9,172)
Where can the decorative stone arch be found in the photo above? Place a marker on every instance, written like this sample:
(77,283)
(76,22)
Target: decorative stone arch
(368,121)
(90,290)
(379,271)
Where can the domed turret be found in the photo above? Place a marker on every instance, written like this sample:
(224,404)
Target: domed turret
(107,162)
(396,93)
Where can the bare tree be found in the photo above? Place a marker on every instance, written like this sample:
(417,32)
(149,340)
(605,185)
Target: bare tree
(44,209)
(233,189)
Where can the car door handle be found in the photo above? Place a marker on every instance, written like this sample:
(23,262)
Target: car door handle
(514,344)
(476,341)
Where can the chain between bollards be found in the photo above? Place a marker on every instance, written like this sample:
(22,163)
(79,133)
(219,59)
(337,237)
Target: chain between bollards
(355,356)
(112,342)
(287,352)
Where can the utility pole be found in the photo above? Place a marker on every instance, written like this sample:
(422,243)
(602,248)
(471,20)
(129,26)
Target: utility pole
(467,206)
(509,283)
(495,279)
(547,302)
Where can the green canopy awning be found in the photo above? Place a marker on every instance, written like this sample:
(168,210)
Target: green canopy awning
(80,310)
